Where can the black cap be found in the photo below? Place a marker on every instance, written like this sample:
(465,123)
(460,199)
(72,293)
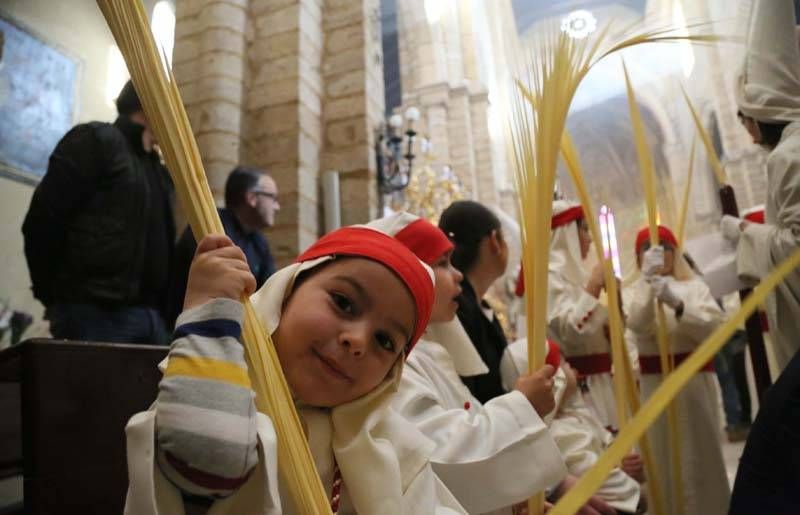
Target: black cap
(128,101)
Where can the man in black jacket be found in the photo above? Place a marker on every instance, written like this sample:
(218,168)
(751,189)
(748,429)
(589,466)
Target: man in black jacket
(99,232)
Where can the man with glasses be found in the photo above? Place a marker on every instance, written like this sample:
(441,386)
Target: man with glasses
(251,202)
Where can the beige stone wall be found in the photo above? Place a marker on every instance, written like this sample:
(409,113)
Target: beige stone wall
(460,134)
(208,62)
(282,130)
(354,103)
(292,86)
(482,150)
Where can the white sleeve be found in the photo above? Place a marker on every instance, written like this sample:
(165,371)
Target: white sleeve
(483,451)
(701,313)
(574,317)
(151,493)
(581,449)
(641,310)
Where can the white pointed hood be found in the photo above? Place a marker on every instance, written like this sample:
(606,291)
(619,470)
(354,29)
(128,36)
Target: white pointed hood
(768,88)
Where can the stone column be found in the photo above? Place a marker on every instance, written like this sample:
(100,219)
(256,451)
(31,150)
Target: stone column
(432,102)
(354,103)
(282,129)
(208,64)
(459,131)
(482,149)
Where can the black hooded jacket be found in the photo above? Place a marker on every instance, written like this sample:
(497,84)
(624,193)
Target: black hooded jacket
(100,226)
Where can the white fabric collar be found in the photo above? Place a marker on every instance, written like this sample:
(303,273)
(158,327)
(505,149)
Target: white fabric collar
(565,248)
(452,336)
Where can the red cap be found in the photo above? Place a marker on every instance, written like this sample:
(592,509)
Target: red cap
(377,246)
(567,216)
(563,218)
(553,354)
(664,234)
(425,240)
(756,216)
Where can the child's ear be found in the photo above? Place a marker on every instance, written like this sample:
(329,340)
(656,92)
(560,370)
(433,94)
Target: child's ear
(494,242)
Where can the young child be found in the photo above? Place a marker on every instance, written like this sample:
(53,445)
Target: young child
(580,436)
(691,315)
(491,455)
(343,318)
(576,318)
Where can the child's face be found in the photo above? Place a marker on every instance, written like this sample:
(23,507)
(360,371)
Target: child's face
(448,287)
(669,258)
(585,237)
(342,330)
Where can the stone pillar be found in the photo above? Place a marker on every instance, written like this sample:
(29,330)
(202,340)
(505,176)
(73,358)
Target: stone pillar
(282,129)
(482,149)
(354,103)
(459,130)
(432,102)
(208,64)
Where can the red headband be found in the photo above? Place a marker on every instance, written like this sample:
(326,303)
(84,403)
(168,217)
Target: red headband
(425,240)
(566,216)
(377,246)
(664,235)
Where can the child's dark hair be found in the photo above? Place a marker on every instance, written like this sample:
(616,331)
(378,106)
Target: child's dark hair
(467,223)
(771,133)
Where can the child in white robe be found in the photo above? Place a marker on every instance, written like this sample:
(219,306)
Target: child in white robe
(489,455)
(691,315)
(343,318)
(576,318)
(580,436)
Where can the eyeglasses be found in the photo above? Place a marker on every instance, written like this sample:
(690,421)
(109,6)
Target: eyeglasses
(268,194)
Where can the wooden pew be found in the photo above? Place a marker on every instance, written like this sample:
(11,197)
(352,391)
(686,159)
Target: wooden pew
(74,401)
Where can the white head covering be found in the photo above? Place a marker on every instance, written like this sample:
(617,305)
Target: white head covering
(565,247)
(378,452)
(768,89)
(454,338)
(451,335)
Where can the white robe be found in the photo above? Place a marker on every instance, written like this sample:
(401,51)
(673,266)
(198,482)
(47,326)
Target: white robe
(705,481)
(577,320)
(150,493)
(490,456)
(762,247)
(580,437)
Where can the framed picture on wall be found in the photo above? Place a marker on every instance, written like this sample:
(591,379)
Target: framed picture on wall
(38,90)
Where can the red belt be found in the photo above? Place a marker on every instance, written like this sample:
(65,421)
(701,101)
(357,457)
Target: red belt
(652,364)
(764,322)
(591,364)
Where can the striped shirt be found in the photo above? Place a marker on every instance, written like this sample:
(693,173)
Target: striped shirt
(205,410)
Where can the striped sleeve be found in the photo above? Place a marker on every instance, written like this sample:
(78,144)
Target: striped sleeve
(205,411)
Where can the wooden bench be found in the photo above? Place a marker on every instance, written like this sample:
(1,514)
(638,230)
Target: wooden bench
(64,409)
